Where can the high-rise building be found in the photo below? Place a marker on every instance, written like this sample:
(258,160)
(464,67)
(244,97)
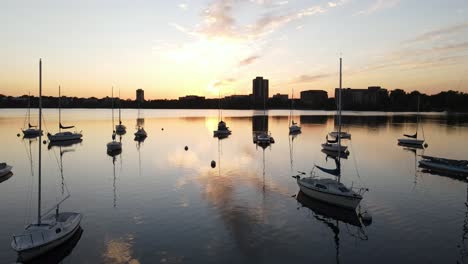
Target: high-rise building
(140,95)
(259,92)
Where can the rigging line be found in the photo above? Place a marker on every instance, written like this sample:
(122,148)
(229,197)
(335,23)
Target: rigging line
(356,166)
(29,190)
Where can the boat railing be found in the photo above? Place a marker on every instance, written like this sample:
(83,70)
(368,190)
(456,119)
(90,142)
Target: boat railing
(29,240)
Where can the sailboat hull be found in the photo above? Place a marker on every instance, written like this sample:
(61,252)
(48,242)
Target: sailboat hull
(31,132)
(334,147)
(4,171)
(407,141)
(343,135)
(64,136)
(294,129)
(345,201)
(37,242)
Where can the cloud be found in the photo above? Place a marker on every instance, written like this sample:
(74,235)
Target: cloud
(219,21)
(305,78)
(249,60)
(437,33)
(377,6)
(183,6)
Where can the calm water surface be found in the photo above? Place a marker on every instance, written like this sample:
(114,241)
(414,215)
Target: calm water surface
(157,203)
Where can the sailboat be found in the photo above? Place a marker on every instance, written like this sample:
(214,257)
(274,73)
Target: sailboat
(50,230)
(329,190)
(293,128)
(413,139)
(113,145)
(5,169)
(31,131)
(334,145)
(120,129)
(62,136)
(140,134)
(264,138)
(222,131)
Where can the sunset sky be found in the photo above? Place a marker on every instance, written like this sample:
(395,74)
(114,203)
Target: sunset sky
(175,48)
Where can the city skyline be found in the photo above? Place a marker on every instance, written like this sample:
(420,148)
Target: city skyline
(197,47)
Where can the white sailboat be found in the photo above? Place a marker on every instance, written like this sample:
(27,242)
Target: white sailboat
(222,131)
(120,129)
(66,135)
(413,139)
(140,134)
(328,190)
(335,144)
(293,128)
(31,130)
(5,169)
(50,229)
(113,145)
(264,138)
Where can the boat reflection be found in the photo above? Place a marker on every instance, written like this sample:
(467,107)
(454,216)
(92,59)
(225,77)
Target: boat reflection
(333,216)
(334,154)
(66,143)
(59,253)
(6,177)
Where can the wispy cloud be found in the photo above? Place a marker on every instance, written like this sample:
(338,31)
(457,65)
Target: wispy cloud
(249,60)
(378,5)
(219,19)
(183,6)
(437,33)
(306,78)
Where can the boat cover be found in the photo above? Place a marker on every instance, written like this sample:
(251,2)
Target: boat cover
(65,127)
(411,136)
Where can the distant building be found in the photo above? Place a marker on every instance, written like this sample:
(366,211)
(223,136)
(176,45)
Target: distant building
(314,98)
(281,97)
(140,95)
(259,91)
(191,98)
(355,99)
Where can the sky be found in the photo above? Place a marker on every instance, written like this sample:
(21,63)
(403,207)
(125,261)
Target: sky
(184,47)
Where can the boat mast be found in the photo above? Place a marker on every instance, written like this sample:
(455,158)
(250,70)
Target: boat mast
(112,108)
(40,139)
(60,112)
(219,105)
(120,118)
(29,110)
(292,103)
(417,120)
(339,118)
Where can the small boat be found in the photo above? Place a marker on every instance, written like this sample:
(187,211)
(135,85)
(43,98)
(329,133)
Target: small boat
(222,131)
(50,229)
(62,136)
(294,128)
(5,169)
(457,167)
(120,129)
(329,191)
(412,139)
(140,133)
(113,145)
(31,131)
(264,138)
(335,147)
(343,135)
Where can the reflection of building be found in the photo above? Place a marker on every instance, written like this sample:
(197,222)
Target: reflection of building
(259,91)
(305,119)
(259,123)
(314,98)
(140,122)
(140,95)
(369,98)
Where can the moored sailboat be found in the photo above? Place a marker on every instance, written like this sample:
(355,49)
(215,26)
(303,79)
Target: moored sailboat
(30,131)
(222,131)
(120,129)
(63,135)
(412,139)
(294,128)
(113,145)
(50,229)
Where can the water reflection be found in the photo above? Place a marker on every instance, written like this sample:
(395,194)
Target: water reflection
(336,219)
(119,251)
(66,143)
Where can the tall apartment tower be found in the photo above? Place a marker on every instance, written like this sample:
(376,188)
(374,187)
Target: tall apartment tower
(259,91)
(140,96)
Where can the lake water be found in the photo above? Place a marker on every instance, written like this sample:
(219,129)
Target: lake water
(157,203)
